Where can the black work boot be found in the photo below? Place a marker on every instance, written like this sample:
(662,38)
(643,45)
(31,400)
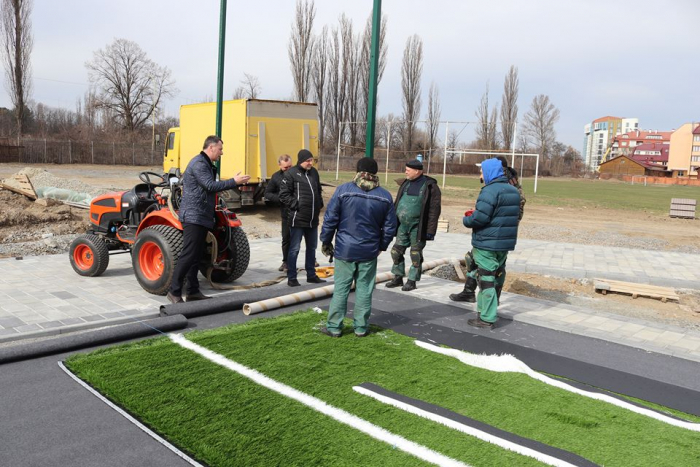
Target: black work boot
(397,281)
(466,295)
(410,285)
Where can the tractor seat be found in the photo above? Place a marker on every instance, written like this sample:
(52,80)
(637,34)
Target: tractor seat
(144,197)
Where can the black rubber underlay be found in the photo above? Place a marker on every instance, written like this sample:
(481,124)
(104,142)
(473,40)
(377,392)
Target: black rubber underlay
(76,341)
(409,315)
(231,301)
(552,451)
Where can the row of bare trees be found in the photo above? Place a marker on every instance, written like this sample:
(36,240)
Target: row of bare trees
(332,68)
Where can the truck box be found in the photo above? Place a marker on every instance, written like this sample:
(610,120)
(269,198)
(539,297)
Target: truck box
(255,133)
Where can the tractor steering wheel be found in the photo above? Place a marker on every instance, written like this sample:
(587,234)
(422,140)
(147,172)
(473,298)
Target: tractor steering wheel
(146,178)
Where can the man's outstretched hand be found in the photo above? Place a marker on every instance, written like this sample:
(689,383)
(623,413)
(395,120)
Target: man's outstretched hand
(241,179)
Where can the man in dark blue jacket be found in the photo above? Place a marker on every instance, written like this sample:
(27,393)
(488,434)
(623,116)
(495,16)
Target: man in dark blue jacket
(301,194)
(197,216)
(272,194)
(361,215)
(494,224)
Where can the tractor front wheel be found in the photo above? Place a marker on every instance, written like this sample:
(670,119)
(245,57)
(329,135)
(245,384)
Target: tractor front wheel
(89,255)
(155,255)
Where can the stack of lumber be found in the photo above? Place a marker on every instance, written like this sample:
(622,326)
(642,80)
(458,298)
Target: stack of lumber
(663,293)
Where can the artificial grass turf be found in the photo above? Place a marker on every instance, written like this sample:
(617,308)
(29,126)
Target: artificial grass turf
(225,419)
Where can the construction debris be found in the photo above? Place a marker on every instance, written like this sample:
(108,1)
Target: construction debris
(21,185)
(653,291)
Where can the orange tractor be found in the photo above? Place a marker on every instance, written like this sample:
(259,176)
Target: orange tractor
(144,222)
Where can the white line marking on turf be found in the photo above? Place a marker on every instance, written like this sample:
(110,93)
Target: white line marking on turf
(508,363)
(525,451)
(143,427)
(340,415)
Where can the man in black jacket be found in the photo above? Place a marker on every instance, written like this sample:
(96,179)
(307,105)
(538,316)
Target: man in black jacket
(272,194)
(197,216)
(301,194)
(417,210)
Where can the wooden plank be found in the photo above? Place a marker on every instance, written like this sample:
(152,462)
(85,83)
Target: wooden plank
(18,191)
(26,185)
(664,293)
(460,273)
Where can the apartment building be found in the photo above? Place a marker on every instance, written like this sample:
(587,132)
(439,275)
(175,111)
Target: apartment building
(684,153)
(599,135)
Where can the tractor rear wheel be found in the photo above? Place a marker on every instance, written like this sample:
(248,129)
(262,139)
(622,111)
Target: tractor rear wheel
(89,255)
(155,255)
(238,251)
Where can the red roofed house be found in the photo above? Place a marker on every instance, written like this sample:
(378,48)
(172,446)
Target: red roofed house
(624,144)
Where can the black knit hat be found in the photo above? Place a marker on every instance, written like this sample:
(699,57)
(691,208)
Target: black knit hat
(367,164)
(304,155)
(415,164)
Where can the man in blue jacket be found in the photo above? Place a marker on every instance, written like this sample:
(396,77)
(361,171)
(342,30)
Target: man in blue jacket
(361,215)
(199,188)
(494,224)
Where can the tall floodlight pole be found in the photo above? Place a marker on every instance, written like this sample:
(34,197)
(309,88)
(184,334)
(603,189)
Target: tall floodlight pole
(220,78)
(373,71)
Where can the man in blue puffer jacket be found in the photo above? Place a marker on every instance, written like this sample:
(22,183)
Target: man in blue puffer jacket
(494,225)
(361,215)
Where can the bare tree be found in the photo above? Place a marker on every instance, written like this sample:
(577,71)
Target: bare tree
(433,116)
(249,88)
(301,48)
(17,43)
(486,131)
(411,71)
(509,106)
(130,84)
(538,126)
(320,80)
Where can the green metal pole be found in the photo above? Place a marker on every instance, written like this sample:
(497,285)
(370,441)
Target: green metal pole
(220,79)
(373,70)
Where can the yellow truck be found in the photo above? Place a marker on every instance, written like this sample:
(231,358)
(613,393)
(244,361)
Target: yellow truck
(255,133)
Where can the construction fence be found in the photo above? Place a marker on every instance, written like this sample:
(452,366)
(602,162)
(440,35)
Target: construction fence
(33,151)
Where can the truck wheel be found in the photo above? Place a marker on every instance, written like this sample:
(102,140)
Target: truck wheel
(89,255)
(154,256)
(238,252)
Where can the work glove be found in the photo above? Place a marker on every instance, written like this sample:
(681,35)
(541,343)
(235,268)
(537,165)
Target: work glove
(469,213)
(429,236)
(328,250)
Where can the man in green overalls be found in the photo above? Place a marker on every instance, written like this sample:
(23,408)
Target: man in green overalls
(494,224)
(417,211)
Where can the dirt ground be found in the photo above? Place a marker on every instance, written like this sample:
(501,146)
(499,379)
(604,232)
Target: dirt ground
(27,228)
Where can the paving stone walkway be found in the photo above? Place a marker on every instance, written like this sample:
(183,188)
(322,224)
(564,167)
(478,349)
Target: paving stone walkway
(42,296)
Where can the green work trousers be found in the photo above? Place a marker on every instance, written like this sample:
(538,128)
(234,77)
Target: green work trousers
(364,274)
(487,300)
(405,237)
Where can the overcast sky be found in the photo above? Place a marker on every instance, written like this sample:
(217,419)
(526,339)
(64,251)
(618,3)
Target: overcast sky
(593,58)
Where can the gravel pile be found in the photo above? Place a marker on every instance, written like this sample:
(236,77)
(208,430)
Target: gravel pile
(42,178)
(446,271)
(50,245)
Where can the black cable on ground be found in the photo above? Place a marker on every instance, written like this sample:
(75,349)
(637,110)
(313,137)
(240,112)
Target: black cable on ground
(108,335)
